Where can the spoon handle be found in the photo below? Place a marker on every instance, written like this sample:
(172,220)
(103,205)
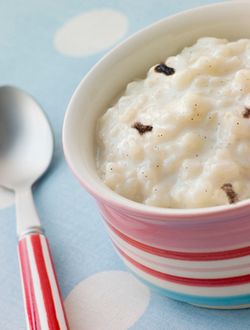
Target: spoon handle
(42,297)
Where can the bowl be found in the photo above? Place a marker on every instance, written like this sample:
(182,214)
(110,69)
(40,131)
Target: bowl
(199,256)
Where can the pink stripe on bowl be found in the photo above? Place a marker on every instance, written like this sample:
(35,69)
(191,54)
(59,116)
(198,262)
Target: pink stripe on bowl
(191,235)
(198,256)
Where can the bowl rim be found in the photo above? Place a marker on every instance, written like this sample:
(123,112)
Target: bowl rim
(103,193)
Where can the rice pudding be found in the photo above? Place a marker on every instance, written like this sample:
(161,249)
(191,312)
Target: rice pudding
(180,138)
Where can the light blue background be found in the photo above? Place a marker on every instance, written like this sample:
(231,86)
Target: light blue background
(79,243)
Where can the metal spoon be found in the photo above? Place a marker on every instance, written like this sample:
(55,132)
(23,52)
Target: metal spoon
(26,147)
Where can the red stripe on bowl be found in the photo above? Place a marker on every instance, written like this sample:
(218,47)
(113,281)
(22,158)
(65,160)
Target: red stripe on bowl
(214,282)
(190,256)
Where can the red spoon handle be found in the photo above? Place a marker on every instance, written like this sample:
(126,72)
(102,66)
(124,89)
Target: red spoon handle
(42,298)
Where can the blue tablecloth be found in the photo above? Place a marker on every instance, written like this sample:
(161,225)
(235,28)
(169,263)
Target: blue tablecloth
(46,47)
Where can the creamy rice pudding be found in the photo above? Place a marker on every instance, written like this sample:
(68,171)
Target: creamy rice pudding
(180,138)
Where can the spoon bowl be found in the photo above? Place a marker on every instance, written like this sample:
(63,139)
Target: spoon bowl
(25,135)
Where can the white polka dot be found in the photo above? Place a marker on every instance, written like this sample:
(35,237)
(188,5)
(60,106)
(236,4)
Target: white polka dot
(6,198)
(107,300)
(90,32)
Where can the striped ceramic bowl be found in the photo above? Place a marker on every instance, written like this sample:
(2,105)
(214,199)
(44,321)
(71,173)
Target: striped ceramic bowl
(200,256)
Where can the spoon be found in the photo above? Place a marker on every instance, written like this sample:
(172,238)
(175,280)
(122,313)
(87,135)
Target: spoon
(26,147)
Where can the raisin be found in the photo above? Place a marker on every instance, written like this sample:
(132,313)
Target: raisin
(142,128)
(163,68)
(231,194)
(246,113)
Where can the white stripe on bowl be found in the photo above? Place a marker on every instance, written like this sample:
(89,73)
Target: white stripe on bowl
(241,261)
(175,269)
(218,291)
